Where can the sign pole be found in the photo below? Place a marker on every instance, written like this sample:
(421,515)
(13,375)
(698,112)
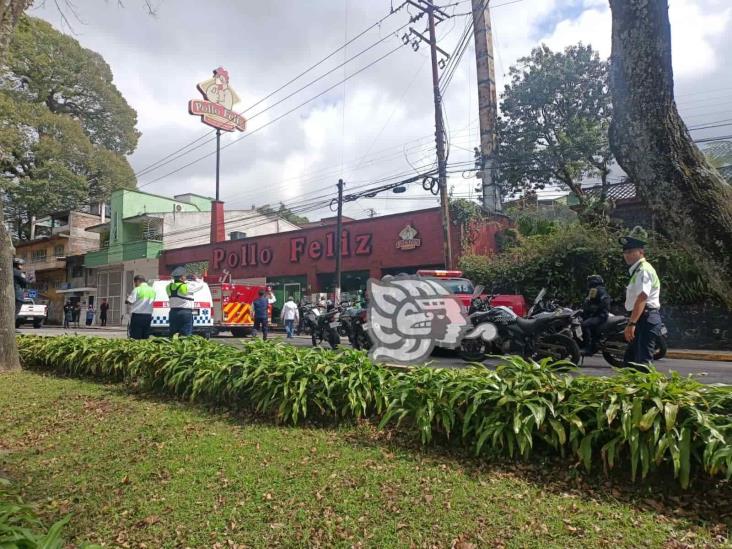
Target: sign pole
(218,160)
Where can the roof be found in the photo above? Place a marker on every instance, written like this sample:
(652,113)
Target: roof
(615,191)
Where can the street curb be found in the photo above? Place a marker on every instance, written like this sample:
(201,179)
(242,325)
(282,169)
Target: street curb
(712,356)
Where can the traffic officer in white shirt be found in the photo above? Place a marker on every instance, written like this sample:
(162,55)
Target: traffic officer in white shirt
(141,299)
(180,317)
(642,301)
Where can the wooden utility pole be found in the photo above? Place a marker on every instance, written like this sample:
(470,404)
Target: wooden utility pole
(487,103)
(440,140)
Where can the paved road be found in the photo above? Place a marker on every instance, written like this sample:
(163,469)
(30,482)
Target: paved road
(704,371)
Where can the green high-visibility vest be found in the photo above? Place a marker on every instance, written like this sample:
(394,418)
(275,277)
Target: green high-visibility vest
(177,289)
(144,291)
(644,266)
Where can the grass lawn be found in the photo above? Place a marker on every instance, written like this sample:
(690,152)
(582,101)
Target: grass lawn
(136,472)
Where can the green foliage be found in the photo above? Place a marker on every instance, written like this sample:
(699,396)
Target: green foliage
(66,127)
(561,261)
(284,212)
(69,79)
(19,524)
(640,421)
(556,115)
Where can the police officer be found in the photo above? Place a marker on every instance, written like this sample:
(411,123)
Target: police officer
(180,318)
(20,282)
(141,299)
(642,301)
(595,311)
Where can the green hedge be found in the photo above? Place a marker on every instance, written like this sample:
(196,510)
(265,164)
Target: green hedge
(639,421)
(562,260)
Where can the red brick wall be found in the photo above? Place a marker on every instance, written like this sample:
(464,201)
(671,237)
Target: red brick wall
(368,245)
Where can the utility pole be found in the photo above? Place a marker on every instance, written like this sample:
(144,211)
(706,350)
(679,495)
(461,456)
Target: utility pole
(338,236)
(487,102)
(428,7)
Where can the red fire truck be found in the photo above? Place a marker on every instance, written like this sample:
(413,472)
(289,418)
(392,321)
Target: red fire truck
(232,307)
(463,288)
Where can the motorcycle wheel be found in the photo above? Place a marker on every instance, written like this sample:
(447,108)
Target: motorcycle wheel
(314,338)
(334,339)
(558,347)
(364,341)
(472,350)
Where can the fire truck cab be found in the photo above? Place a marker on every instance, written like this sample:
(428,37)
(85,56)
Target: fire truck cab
(463,289)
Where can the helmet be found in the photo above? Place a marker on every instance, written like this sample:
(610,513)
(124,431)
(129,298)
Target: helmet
(18,261)
(595,280)
(178,272)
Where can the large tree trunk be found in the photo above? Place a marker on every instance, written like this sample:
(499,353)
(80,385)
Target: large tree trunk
(10,12)
(689,199)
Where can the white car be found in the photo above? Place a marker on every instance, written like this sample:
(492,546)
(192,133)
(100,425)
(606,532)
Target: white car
(31,312)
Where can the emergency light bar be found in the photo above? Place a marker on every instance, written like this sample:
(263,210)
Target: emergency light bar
(440,274)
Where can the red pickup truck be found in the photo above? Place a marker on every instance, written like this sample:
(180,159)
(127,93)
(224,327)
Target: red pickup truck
(464,289)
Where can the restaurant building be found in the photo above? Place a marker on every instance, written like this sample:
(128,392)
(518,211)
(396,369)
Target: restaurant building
(303,261)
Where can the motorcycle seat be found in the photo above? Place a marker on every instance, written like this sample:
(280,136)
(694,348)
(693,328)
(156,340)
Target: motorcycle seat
(612,322)
(533,325)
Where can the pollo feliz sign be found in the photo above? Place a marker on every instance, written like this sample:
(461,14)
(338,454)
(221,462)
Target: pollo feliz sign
(215,109)
(251,254)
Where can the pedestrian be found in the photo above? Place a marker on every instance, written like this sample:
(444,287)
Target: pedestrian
(68,314)
(260,306)
(642,301)
(20,283)
(595,311)
(301,314)
(141,299)
(76,313)
(290,315)
(103,308)
(180,318)
(271,300)
(90,314)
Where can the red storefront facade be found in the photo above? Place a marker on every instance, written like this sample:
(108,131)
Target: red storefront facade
(371,247)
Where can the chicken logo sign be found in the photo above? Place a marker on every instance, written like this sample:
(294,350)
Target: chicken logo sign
(215,109)
(408,239)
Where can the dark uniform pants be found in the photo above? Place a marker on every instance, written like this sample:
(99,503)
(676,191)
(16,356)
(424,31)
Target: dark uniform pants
(647,331)
(140,326)
(18,305)
(180,322)
(261,324)
(589,329)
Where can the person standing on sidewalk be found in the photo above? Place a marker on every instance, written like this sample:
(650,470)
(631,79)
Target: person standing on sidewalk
(68,314)
(90,314)
(103,308)
(180,295)
(289,316)
(141,299)
(261,314)
(642,301)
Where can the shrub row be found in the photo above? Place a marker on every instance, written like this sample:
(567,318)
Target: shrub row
(20,525)
(641,421)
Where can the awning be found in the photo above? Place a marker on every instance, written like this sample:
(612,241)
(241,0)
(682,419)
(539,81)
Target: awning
(77,290)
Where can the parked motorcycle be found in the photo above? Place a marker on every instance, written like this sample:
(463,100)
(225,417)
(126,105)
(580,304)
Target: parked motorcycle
(611,336)
(322,323)
(535,338)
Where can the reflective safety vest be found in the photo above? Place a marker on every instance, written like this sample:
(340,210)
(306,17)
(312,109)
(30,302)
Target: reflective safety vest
(644,266)
(178,294)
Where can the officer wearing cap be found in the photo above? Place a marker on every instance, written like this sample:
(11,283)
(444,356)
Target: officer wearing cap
(180,318)
(642,300)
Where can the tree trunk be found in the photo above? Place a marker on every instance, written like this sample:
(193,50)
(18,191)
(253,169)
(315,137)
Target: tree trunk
(688,198)
(10,12)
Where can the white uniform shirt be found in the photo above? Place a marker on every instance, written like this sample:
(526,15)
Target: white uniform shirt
(289,311)
(141,305)
(643,279)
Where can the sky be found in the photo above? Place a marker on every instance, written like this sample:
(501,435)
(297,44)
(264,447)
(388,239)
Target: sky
(378,126)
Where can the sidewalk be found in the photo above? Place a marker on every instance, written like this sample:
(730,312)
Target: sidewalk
(700,354)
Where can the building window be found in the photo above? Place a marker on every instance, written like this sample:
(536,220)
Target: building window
(58,250)
(38,256)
